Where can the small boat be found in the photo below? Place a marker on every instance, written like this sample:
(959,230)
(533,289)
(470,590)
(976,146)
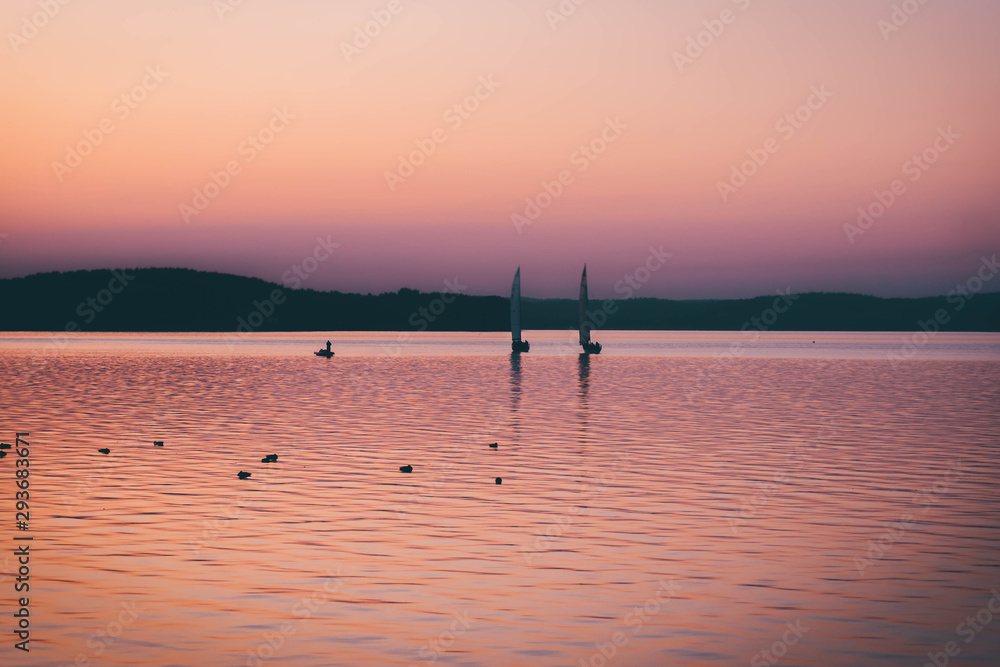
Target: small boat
(327,353)
(243,475)
(104,451)
(405,468)
(517,345)
(585,326)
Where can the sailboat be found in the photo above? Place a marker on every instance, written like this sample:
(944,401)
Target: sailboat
(588,347)
(517,345)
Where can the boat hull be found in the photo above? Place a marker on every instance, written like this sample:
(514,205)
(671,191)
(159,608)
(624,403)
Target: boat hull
(520,346)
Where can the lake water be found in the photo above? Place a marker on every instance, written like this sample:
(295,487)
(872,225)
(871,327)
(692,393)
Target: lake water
(681,499)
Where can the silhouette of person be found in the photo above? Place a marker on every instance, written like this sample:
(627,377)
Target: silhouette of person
(328,346)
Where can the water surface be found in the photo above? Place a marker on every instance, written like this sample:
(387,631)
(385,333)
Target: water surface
(687,495)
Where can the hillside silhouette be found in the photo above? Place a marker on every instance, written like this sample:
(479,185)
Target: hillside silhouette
(187,300)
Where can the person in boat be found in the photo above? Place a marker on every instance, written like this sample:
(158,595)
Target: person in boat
(328,344)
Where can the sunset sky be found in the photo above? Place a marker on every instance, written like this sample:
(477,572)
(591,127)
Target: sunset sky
(116,112)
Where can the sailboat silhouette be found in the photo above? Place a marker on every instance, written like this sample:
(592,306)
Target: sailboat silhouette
(517,345)
(585,326)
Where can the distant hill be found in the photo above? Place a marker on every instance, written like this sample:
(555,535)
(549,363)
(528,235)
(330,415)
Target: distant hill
(186,300)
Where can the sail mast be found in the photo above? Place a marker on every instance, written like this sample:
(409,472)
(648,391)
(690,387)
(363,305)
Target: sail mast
(515,307)
(584,324)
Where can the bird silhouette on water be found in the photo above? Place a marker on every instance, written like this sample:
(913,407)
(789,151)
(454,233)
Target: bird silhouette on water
(499,480)
(405,468)
(104,451)
(4,445)
(242,475)
(157,443)
(495,445)
(270,458)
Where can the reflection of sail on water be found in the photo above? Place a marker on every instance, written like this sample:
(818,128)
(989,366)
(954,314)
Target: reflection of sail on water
(515,392)
(584,386)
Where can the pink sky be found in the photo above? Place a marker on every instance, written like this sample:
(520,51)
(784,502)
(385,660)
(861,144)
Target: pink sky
(343,121)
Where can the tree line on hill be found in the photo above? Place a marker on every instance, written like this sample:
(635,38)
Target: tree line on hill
(174,300)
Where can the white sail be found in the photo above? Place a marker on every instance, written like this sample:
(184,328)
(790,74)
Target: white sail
(584,323)
(515,307)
